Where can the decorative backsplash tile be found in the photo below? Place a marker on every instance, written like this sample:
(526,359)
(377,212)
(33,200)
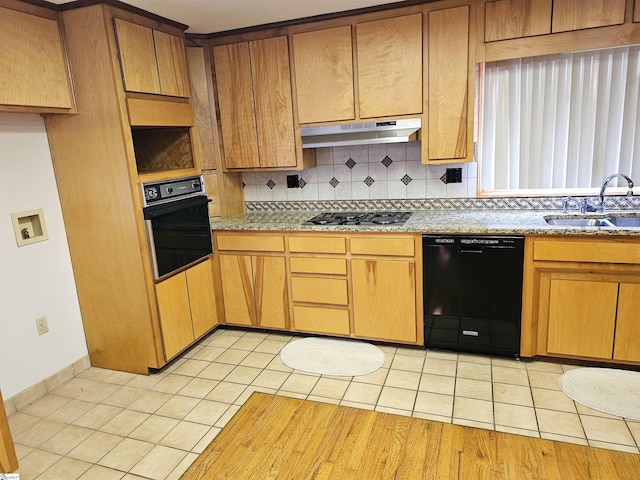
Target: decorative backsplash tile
(368,172)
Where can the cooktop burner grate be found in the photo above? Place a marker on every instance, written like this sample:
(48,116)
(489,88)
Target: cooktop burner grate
(360,218)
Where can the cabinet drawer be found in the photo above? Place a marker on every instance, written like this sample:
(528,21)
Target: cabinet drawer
(317,245)
(321,320)
(329,266)
(404,247)
(320,290)
(586,251)
(261,243)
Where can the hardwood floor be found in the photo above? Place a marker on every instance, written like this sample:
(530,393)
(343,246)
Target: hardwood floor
(281,437)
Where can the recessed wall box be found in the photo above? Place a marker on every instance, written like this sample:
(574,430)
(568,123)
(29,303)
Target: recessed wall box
(29,227)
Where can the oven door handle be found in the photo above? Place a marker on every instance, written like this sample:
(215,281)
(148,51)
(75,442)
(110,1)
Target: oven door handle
(154,211)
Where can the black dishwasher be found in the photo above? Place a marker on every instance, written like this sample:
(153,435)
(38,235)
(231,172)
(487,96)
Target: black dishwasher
(473,293)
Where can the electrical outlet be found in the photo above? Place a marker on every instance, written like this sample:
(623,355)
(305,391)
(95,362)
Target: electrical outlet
(43,326)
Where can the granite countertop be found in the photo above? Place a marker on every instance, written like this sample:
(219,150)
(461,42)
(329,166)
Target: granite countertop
(519,222)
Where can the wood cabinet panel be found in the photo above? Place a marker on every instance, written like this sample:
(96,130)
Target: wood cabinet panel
(330,291)
(137,57)
(175,314)
(383,246)
(236,104)
(600,251)
(327,266)
(201,107)
(273,104)
(237,289)
(256,243)
(448,83)
(582,315)
(323,62)
(578,14)
(172,64)
(8,458)
(202,298)
(636,11)
(34,69)
(321,320)
(506,19)
(627,346)
(317,245)
(389,54)
(270,282)
(377,312)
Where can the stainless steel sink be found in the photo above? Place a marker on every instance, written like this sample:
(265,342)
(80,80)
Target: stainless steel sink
(579,222)
(624,221)
(613,221)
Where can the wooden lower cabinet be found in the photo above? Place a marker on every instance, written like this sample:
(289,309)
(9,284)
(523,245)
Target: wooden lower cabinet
(582,298)
(582,316)
(384,299)
(254,290)
(317,319)
(187,307)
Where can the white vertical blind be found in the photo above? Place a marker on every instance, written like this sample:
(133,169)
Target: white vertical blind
(560,121)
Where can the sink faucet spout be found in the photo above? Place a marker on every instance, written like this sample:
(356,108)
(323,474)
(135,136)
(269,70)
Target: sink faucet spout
(606,182)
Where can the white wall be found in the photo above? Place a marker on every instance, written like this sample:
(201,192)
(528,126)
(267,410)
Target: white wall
(35,279)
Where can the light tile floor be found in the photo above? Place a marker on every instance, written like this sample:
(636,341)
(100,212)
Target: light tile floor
(105,425)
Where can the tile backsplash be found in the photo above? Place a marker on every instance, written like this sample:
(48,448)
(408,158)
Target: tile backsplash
(366,172)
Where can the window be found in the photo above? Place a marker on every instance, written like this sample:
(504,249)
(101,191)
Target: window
(561,122)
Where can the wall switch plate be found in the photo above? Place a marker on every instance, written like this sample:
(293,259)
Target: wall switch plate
(452,175)
(292,181)
(42,325)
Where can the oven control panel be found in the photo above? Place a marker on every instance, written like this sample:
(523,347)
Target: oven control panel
(167,190)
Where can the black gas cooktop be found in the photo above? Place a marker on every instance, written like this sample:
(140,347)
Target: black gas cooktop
(360,218)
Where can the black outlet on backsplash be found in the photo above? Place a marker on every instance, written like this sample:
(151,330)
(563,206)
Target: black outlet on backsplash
(452,175)
(292,181)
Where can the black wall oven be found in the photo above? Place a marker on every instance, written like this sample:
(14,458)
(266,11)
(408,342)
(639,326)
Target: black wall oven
(176,218)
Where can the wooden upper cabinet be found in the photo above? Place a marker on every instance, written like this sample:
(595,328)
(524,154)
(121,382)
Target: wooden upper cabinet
(152,61)
(449,87)
(254,95)
(507,19)
(235,98)
(273,103)
(172,64)
(389,54)
(323,62)
(578,14)
(33,70)
(636,11)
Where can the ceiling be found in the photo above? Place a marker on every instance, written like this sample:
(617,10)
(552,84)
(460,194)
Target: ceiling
(210,16)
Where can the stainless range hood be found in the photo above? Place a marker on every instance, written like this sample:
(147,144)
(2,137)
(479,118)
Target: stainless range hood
(388,131)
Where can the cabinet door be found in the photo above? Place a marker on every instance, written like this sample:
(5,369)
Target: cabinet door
(390,66)
(636,11)
(236,102)
(627,346)
(202,298)
(171,59)
(8,459)
(202,107)
(323,62)
(377,312)
(578,14)
(237,289)
(270,279)
(506,19)
(272,93)
(175,314)
(582,315)
(33,69)
(137,57)
(448,84)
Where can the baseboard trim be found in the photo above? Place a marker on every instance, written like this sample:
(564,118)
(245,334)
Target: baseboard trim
(40,389)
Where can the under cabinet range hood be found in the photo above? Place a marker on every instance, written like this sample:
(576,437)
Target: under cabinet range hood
(387,131)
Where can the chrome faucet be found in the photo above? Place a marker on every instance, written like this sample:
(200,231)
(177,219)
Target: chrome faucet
(606,182)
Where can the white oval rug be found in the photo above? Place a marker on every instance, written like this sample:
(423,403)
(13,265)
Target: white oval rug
(608,390)
(325,356)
